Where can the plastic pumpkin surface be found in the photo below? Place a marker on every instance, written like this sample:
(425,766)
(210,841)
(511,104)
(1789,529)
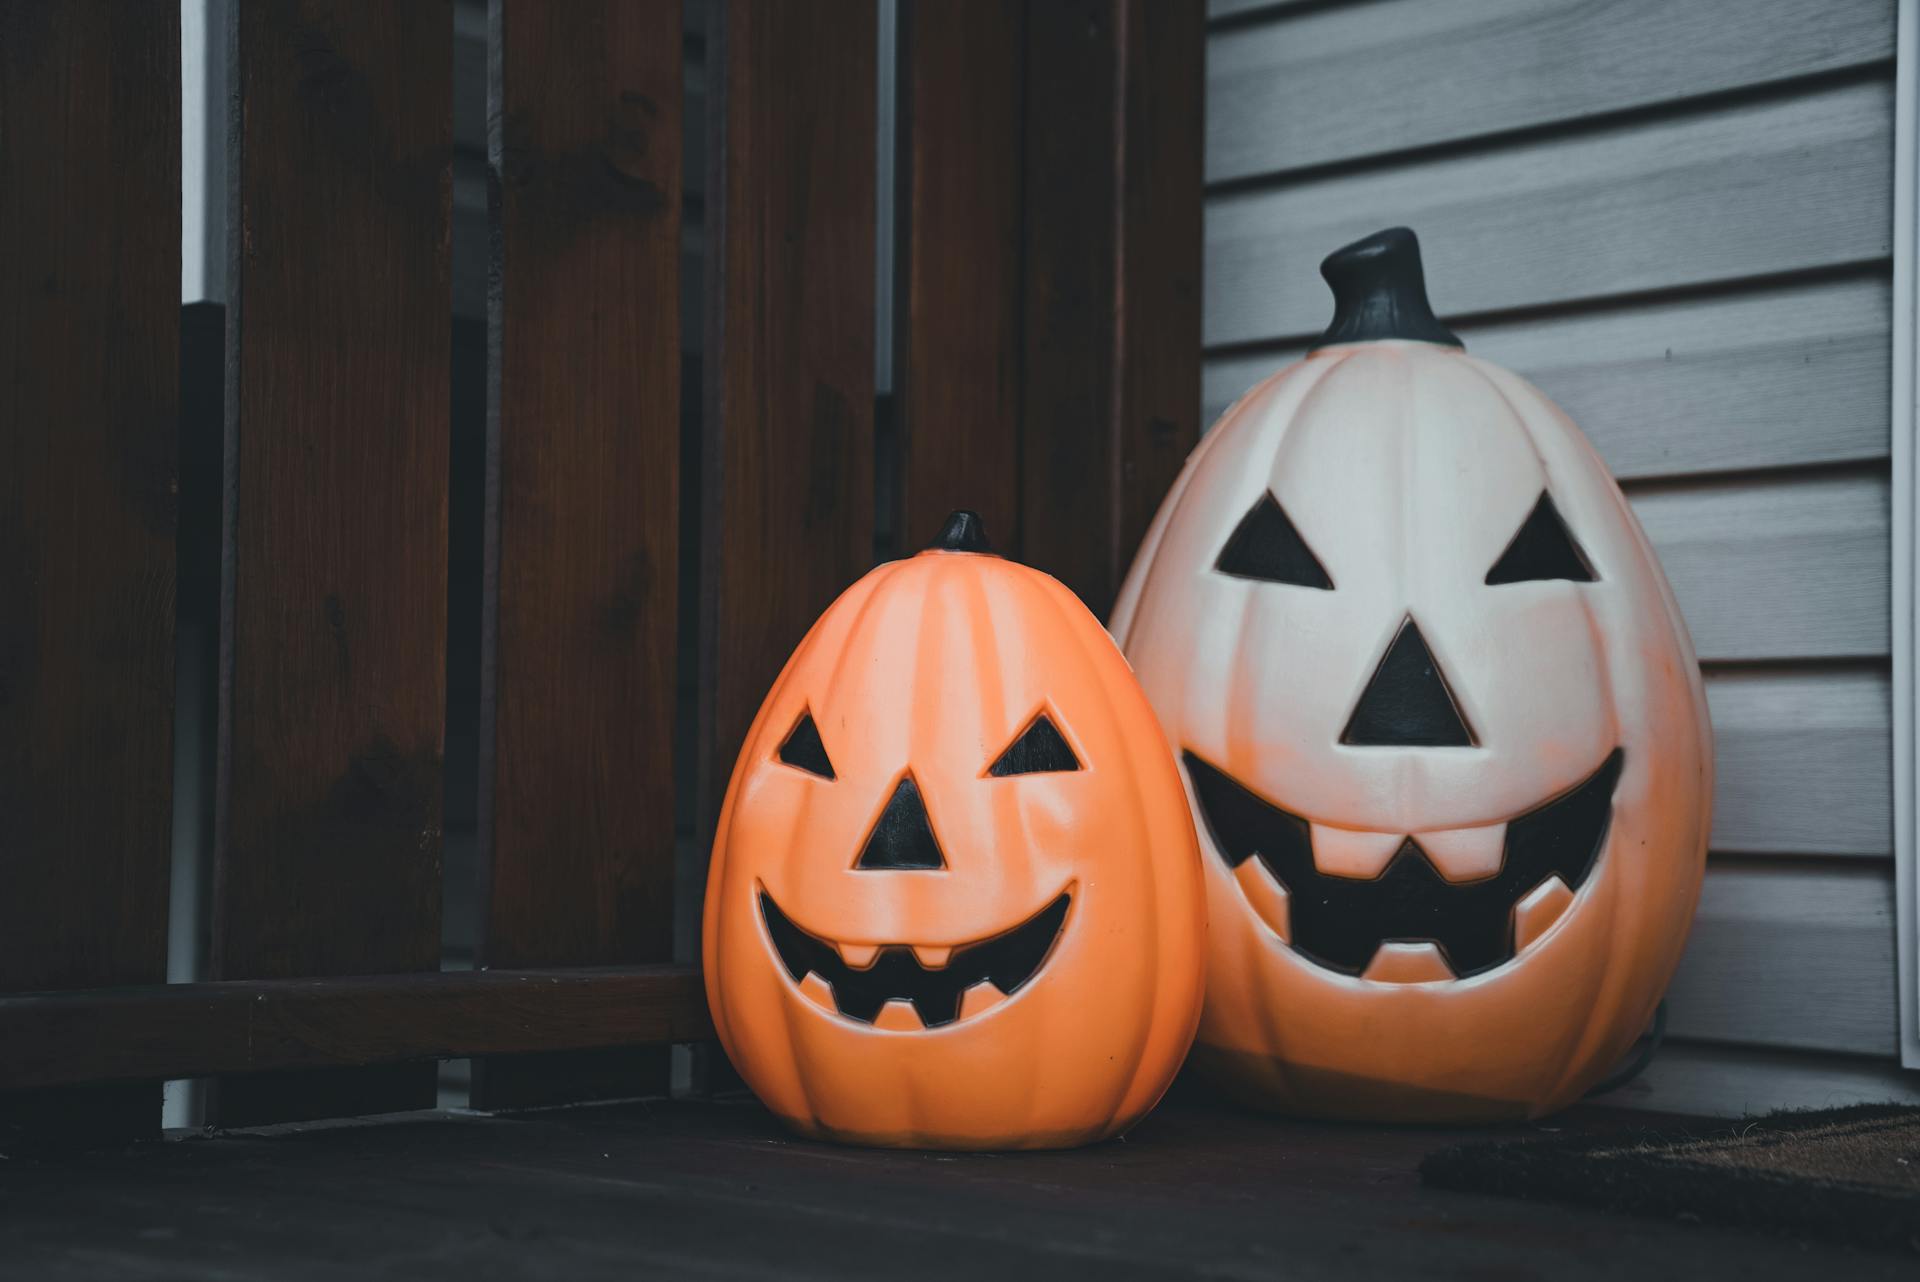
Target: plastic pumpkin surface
(955,898)
(1440,722)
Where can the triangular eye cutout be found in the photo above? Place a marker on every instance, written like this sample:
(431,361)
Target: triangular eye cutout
(1265,546)
(803,749)
(1408,703)
(1543,549)
(1040,750)
(902,837)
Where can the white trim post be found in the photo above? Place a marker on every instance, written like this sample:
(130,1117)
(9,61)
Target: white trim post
(1906,562)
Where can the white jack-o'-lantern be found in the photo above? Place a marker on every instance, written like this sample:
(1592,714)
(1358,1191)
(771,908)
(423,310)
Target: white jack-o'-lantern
(1440,723)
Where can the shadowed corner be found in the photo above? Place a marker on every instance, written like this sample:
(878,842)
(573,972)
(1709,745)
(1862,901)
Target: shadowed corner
(1297,1090)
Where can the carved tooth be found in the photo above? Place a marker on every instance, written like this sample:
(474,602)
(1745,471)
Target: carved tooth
(933,956)
(899,1016)
(1535,914)
(1465,854)
(1353,852)
(859,956)
(1408,963)
(818,991)
(1267,897)
(981,998)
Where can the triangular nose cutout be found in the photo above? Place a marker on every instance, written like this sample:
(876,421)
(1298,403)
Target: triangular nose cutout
(902,837)
(1408,703)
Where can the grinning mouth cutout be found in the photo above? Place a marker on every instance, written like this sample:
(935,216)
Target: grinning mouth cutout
(1341,923)
(905,987)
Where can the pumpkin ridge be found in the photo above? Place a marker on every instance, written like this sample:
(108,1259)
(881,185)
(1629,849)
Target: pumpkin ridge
(1593,1036)
(901,674)
(1126,604)
(993,699)
(1073,617)
(1407,479)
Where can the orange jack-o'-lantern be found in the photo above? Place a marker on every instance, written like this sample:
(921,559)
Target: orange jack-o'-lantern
(955,899)
(1440,721)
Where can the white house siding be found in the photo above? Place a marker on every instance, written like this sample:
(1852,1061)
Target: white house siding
(1674,216)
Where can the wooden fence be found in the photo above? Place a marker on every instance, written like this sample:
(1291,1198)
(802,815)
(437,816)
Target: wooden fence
(1046,348)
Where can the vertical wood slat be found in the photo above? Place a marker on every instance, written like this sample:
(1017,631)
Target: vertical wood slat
(1158,195)
(1113,155)
(327,845)
(959,242)
(584,480)
(89,386)
(787,467)
(1068,489)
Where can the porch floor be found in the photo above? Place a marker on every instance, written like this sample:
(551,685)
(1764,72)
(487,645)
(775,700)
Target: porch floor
(713,1190)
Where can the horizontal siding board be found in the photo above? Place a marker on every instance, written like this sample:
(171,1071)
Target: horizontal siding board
(1790,956)
(1777,377)
(1802,762)
(1218,9)
(1353,81)
(1777,569)
(1705,1080)
(1770,377)
(1765,187)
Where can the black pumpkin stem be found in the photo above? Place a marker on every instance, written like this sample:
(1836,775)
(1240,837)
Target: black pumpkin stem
(1380,291)
(963,532)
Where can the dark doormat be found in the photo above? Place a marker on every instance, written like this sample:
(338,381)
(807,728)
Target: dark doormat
(1846,1174)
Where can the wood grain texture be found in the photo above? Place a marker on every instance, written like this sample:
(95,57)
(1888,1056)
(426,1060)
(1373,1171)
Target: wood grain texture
(1159,205)
(89,440)
(470,61)
(1791,956)
(1769,186)
(1801,761)
(1112,289)
(1070,404)
(584,421)
(787,470)
(679,1188)
(470,218)
(254,1025)
(1340,84)
(470,224)
(1768,377)
(334,620)
(958,349)
(1790,568)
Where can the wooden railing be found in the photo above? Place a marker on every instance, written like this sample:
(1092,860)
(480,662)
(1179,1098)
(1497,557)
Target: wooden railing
(1046,344)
